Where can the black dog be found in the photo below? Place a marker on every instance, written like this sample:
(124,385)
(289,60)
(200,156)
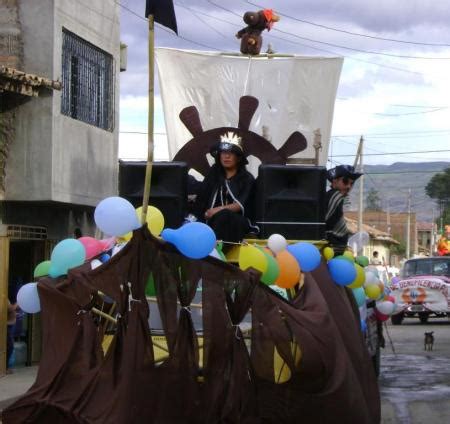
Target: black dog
(429,340)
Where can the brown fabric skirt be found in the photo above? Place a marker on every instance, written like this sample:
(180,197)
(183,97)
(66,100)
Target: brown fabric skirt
(304,361)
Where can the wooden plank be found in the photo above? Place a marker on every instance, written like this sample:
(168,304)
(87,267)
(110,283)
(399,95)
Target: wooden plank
(4,269)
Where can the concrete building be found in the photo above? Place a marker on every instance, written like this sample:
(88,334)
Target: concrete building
(59,106)
(426,237)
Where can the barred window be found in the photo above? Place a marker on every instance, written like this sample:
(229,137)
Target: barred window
(88,82)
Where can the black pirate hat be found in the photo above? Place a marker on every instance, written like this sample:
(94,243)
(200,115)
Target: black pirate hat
(343,171)
(229,142)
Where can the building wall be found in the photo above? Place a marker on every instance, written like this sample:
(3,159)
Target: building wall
(55,157)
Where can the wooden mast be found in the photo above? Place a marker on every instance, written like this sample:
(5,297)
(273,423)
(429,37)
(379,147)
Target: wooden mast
(151,107)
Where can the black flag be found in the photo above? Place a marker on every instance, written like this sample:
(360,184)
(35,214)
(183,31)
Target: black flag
(163,13)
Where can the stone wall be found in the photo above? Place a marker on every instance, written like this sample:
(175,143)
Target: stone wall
(11,54)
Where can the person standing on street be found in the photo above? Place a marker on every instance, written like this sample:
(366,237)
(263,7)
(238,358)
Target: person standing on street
(11,322)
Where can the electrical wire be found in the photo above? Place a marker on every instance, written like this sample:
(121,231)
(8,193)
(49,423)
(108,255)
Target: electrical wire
(394,68)
(351,32)
(165,29)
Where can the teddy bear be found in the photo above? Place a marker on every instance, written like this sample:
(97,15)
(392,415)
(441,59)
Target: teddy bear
(250,36)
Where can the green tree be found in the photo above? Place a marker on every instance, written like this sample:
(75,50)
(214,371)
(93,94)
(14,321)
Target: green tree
(373,201)
(438,188)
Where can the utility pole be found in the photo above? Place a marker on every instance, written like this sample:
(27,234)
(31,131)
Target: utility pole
(408,227)
(432,239)
(388,218)
(359,155)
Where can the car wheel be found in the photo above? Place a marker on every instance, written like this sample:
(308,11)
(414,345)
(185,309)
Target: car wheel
(423,316)
(397,319)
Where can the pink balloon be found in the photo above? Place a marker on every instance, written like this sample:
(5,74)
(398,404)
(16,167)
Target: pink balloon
(92,246)
(108,243)
(381,317)
(390,298)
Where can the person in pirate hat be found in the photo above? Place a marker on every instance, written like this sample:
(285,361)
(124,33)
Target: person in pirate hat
(341,178)
(226,191)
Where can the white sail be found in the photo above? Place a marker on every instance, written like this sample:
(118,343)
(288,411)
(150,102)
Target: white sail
(295,93)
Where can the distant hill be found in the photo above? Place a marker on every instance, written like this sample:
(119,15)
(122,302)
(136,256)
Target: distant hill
(393,182)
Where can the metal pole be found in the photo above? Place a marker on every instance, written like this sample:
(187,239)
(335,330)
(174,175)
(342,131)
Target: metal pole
(361,184)
(432,235)
(151,106)
(408,227)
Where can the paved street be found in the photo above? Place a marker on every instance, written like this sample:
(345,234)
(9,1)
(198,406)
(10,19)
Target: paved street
(415,384)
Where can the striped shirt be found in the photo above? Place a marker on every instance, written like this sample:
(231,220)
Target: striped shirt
(334,218)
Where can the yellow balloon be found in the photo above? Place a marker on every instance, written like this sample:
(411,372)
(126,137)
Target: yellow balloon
(349,255)
(360,277)
(155,219)
(252,257)
(125,237)
(372,291)
(328,253)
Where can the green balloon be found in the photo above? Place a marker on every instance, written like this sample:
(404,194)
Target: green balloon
(42,269)
(150,286)
(362,260)
(272,271)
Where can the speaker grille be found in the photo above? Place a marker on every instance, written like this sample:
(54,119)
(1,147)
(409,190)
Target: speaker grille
(290,200)
(168,191)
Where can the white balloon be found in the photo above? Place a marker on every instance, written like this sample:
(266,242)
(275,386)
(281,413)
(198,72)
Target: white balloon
(358,240)
(276,243)
(386,307)
(95,263)
(371,278)
(117,248)
(28,298)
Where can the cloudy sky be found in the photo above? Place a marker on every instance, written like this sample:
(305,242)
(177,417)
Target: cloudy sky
(394,87)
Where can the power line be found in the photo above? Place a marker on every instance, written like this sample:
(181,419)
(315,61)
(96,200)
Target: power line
(354,33)
(166,29)
(414,133)
(313,47)
(352,48)
(396,153)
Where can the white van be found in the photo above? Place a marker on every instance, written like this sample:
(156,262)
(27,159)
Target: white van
(423,289)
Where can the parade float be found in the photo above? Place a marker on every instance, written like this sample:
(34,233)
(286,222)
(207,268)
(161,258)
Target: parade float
(164,328)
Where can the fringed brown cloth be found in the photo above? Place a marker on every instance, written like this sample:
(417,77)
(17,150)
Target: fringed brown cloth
(302,362)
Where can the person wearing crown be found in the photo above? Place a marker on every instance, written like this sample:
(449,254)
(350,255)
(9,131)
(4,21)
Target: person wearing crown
(226,190)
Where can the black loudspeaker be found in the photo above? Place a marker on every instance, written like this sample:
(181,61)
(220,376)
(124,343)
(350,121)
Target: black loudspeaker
(168,191)
(290,200)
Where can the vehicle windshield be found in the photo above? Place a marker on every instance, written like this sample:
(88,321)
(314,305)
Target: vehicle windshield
(427,267)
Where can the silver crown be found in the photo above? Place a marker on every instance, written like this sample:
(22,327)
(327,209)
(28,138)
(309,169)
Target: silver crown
(232,139)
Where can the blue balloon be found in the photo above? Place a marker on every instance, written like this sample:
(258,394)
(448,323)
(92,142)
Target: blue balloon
(307,255)
(363,326)
(194,239)
(116,216)
(67,254)
(360,296)
(28,298)
(105,258)
(343,272)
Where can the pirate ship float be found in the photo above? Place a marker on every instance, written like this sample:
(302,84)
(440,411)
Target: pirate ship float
(250,356)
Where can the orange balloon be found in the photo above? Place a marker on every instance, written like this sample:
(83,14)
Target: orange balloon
(289,270)
(267,250)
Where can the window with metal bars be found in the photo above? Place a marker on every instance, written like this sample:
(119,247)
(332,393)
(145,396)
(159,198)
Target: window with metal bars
(88,82)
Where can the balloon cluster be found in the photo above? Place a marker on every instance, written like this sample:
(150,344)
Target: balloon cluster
(364,280)
(279,263)
(115,217)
